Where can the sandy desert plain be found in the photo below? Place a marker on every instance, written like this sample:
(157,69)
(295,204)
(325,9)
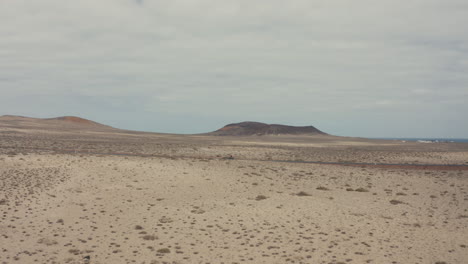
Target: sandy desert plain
(74,193)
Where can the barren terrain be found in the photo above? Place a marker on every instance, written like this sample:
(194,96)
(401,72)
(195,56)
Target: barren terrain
(102,195)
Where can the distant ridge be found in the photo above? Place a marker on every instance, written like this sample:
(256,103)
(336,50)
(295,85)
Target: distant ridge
(259,129)
(64,122)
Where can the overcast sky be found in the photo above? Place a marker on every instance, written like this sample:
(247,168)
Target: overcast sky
(388,68)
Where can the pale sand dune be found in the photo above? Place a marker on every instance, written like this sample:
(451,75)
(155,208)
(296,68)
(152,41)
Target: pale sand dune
(193,203)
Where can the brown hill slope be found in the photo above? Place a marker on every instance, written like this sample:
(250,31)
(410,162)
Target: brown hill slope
(63,122)
(76,120)
(257,128)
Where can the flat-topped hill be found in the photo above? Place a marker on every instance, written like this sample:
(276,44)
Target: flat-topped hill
(259,129)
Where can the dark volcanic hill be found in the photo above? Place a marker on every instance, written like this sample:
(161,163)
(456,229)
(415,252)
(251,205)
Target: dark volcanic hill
(259,129)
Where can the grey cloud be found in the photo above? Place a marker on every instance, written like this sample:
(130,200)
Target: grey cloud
(298,62)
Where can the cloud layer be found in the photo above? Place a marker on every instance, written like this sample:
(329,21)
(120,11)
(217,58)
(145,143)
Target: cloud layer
(359,68)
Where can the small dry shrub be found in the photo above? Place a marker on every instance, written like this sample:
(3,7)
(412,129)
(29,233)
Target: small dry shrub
(47,241)
(165,219)
(322,188)
(395,202)
(361,190)
(163,250)
(150,237)
(198,211)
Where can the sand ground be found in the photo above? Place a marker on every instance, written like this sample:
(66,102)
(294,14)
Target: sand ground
(65,199)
